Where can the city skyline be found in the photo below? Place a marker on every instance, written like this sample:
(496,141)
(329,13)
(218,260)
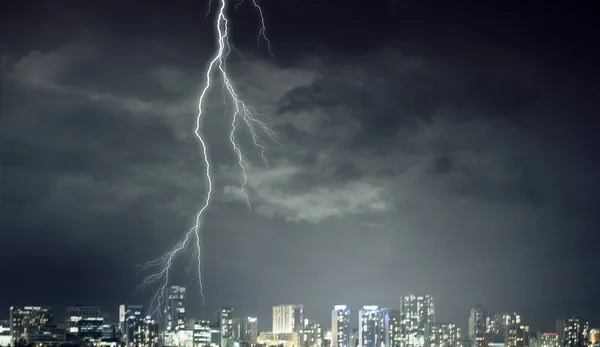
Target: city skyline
(271,323)
(422,147)
(376,327)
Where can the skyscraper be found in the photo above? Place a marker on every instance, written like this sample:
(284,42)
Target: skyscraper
(340,326)
(287,319)
(575,332)
(383,334)
(368,326)
(477,326)
(311,335)
(516,335)
(141,332)
(373,327)
(127,315)
(175,310)
(416,312)
(201,334)
(395,328)
(245,330)
(226,326)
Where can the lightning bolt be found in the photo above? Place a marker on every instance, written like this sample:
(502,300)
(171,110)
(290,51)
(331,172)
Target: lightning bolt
(243,116)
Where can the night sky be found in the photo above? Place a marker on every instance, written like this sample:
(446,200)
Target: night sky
(427,147)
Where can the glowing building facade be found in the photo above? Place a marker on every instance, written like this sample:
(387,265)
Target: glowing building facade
(226,323)
(416,312)
(175,309)
(311,334)
(573,332)
(395,328)
(287,319)
(201,334)
(442,335)
(373,327)
(340,326)
(26,320)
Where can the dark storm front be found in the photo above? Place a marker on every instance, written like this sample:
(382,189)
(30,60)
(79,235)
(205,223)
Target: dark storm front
(412,324)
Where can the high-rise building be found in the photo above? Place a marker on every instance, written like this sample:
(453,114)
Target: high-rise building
(215,334)
(128,314)
(251,330)
(141,332)
(442,335)
(416,312)
(516,335)
(202,333)
(395,328)
(383,335)
(175,309)
(311,334)
(287,319)
(28,320)
(368,326)
(226,326)
(497,325)
(575,332)
(127,310)
(245,330)
(373,327)
(477,326)
(340,326)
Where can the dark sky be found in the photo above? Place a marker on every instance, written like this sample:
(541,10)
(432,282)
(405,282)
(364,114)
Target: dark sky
(429,147)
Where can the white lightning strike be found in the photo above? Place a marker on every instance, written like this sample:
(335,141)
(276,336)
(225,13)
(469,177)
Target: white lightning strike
(243,115)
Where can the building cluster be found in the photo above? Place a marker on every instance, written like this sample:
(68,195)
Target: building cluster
(412,324)
(506,330)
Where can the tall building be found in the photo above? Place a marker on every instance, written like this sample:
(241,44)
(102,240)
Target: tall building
(215,334)
(516,335)
(245,330)
(368,327)
(251,330)
(497,325)
(226,327)
(128,314)
(373,327)
(477,326)
(141,332)
(287,319)
(311,334)
(202,333)
(442,335)
(395,328)
(340,326)
(127,310)
(27,320)
(416,312)
(384,327)
(175,309)
(575,332)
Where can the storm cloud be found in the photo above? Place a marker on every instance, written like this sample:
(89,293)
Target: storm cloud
(411,172)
